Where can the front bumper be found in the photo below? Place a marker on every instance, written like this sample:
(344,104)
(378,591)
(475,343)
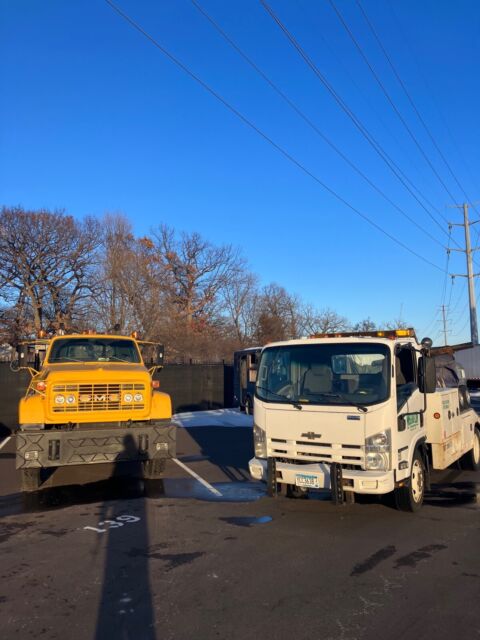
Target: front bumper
(358,481)
(95,445)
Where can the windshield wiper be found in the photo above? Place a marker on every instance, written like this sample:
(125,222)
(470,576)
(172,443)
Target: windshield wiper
(294,403)
(344,400)
(119,359)
(65,358)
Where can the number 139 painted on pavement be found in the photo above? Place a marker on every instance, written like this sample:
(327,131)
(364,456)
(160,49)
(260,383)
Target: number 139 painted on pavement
(113,524)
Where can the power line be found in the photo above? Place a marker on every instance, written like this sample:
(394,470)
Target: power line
(464,326)
(445,124)
(459,297)
(309,122)
(451,292)
(444,289)
(368,136)
(397,76)
(430,325)
(263,135)
(425,82)
(360,89)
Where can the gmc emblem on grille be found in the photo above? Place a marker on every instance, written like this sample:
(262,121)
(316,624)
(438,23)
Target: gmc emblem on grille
(100,398)
(311,436)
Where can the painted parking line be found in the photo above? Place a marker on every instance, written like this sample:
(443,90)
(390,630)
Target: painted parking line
(197,477)
(5,442)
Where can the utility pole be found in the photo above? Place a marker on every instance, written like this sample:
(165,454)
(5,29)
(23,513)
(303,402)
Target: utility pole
(470,275)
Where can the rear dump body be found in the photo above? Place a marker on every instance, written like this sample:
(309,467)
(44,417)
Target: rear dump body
(348,414)
(92,401)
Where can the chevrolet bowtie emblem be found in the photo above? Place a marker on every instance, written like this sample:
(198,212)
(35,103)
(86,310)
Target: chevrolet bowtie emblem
(311,436)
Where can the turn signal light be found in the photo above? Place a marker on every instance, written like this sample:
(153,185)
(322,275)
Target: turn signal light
(155,384)
(436,415)
(41,386)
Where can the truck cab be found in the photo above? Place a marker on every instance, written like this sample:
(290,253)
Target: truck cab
(91,400)
(356,413)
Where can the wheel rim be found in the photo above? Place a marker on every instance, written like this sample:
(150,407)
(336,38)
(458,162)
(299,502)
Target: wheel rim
(417,481)
(476,447)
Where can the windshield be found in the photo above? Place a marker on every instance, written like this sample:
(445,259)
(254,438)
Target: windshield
(326,374)
(93,350)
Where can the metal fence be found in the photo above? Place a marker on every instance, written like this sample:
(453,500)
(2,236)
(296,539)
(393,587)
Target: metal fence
(192,387)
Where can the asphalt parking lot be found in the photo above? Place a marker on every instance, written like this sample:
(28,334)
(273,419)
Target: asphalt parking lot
(100,555)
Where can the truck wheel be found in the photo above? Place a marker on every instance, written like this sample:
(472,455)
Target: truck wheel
(153,469)
(31,479)
(471,460)
(248,406)
(410,497)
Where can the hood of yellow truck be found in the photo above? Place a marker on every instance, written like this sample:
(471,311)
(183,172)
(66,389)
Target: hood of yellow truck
(93,372)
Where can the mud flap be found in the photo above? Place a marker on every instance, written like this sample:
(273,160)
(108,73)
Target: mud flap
(336,483)
(272,489)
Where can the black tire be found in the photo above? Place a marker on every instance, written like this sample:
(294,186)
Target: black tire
(31,479)
(153,469)
(248,406)
(471,460)
(296,493)
(410,497)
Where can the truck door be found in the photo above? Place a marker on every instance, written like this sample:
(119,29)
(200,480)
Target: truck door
(410,402)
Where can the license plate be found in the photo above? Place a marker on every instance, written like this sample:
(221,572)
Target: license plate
(305,480)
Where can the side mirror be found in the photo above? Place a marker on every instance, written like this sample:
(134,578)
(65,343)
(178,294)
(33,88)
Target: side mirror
(427,375)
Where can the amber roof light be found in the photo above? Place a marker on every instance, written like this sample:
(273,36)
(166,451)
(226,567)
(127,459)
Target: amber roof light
(390,333)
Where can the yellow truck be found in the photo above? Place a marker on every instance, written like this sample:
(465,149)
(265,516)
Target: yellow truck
(91,400)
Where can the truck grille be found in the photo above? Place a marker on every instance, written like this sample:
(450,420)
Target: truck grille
(98,397)
(309,452)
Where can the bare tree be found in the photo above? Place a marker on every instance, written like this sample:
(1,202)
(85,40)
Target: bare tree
(196,272)
(46,265)
(321,321)
(240,297)
(396,323)
(367,324)
(277,315)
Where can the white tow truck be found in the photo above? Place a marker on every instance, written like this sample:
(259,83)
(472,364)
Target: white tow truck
(365,413)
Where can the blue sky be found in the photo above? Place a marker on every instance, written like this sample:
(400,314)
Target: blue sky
(94,118)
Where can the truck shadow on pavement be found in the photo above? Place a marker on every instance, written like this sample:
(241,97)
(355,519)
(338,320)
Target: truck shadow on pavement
(454,494)
(5,431)
(126,607)
(229,449)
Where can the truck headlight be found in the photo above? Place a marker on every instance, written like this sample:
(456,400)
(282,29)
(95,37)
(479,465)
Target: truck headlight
(138,397)
(259,442)
(70,399)
(378,451)
(127,397)
(59,399)
(376,461)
